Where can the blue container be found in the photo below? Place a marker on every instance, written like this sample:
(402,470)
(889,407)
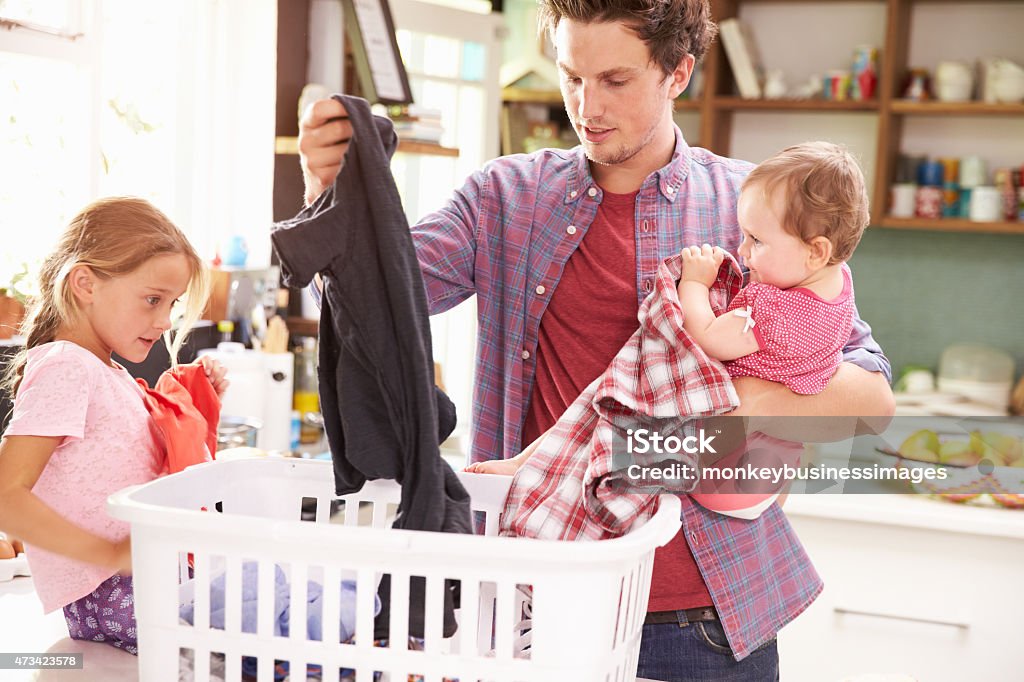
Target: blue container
(930,174)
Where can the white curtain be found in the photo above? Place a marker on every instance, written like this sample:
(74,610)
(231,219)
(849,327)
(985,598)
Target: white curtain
(170,101)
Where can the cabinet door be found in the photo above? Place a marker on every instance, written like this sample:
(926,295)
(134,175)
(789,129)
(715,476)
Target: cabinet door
(932,605)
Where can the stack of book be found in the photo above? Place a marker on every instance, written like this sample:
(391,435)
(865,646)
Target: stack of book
(744,59)
(417,123)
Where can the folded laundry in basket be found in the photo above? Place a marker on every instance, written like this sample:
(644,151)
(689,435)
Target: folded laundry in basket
(282,607)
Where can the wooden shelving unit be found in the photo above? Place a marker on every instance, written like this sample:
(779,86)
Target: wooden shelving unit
(717,106)
(530,96)
(951,225)
(956,108)
(814,105)
(290,145)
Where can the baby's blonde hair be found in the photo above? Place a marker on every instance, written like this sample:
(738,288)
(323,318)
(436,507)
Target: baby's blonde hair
(825,194)
(113,237)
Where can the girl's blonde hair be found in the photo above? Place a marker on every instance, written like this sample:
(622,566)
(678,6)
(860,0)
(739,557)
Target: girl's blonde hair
(113,237)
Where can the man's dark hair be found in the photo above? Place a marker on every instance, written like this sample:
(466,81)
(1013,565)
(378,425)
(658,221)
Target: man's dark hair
(671,29)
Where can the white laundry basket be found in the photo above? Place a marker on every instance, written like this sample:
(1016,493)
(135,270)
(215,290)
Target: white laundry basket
(589,599)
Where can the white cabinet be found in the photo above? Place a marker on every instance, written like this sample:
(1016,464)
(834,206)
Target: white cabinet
(905,595)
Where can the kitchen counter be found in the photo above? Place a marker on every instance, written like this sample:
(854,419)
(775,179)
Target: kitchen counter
(911,511)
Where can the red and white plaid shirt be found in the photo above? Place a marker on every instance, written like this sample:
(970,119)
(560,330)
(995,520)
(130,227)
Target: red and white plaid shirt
(572,487)
(756,571)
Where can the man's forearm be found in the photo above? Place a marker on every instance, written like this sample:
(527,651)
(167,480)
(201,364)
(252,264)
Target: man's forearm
(855,401)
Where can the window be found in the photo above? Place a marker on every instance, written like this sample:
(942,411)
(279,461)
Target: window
(453,59)
(173,102)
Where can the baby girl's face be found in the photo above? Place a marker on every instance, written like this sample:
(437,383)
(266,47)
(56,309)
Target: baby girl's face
(773,255)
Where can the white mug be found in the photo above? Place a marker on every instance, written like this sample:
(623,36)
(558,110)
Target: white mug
(986,204)
(954,81)
(973,171)
(903,196)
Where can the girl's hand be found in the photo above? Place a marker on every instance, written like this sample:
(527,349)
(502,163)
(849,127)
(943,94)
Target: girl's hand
(215,372)
(701,264)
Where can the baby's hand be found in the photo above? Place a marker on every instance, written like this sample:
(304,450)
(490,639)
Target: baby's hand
(701,264)
(501,467)
(215,372)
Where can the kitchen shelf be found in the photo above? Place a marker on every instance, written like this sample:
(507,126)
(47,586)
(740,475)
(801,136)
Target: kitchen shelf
(934,108)
(813,105)
(302,326)
(531,96)
(951,225)
(290,145)
(719,106)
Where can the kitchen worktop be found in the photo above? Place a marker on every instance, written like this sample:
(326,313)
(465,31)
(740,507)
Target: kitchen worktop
(912,511)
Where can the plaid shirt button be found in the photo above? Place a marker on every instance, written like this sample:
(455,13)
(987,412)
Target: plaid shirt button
(571,229)
(526,355)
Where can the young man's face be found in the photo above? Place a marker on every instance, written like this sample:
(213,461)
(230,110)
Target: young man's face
(618,100)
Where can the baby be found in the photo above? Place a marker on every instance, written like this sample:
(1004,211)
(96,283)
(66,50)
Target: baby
(802,213)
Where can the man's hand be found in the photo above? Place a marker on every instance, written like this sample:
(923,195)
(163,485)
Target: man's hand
(324,134)
(701,264)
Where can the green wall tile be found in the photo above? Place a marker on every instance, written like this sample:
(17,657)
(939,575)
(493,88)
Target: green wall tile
(924,291)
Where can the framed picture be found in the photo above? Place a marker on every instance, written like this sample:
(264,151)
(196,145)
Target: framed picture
(382,74)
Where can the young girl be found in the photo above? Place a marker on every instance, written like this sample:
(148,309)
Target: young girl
(80,430)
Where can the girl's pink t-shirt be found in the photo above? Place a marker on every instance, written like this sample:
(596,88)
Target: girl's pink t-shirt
(107,444)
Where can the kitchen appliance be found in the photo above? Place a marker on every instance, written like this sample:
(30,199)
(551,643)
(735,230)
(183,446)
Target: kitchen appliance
(979,373)
(237,432)
(260,388)
(245,296)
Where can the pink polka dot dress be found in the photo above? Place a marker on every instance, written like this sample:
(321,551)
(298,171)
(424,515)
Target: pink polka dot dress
(801,335)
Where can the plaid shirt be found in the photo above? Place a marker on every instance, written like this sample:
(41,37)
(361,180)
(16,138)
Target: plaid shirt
(572,487)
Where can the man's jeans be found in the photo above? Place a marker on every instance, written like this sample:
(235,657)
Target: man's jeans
(699,652)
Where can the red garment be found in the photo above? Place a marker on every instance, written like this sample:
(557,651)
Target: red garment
(185,410)
(591,314)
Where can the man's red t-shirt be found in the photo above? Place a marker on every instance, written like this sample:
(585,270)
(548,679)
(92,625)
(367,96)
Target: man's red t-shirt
(593,311)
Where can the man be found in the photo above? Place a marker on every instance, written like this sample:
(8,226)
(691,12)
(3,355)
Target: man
(560,247)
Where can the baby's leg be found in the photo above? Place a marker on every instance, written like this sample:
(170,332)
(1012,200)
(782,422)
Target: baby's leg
(106,615)
(501,467)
